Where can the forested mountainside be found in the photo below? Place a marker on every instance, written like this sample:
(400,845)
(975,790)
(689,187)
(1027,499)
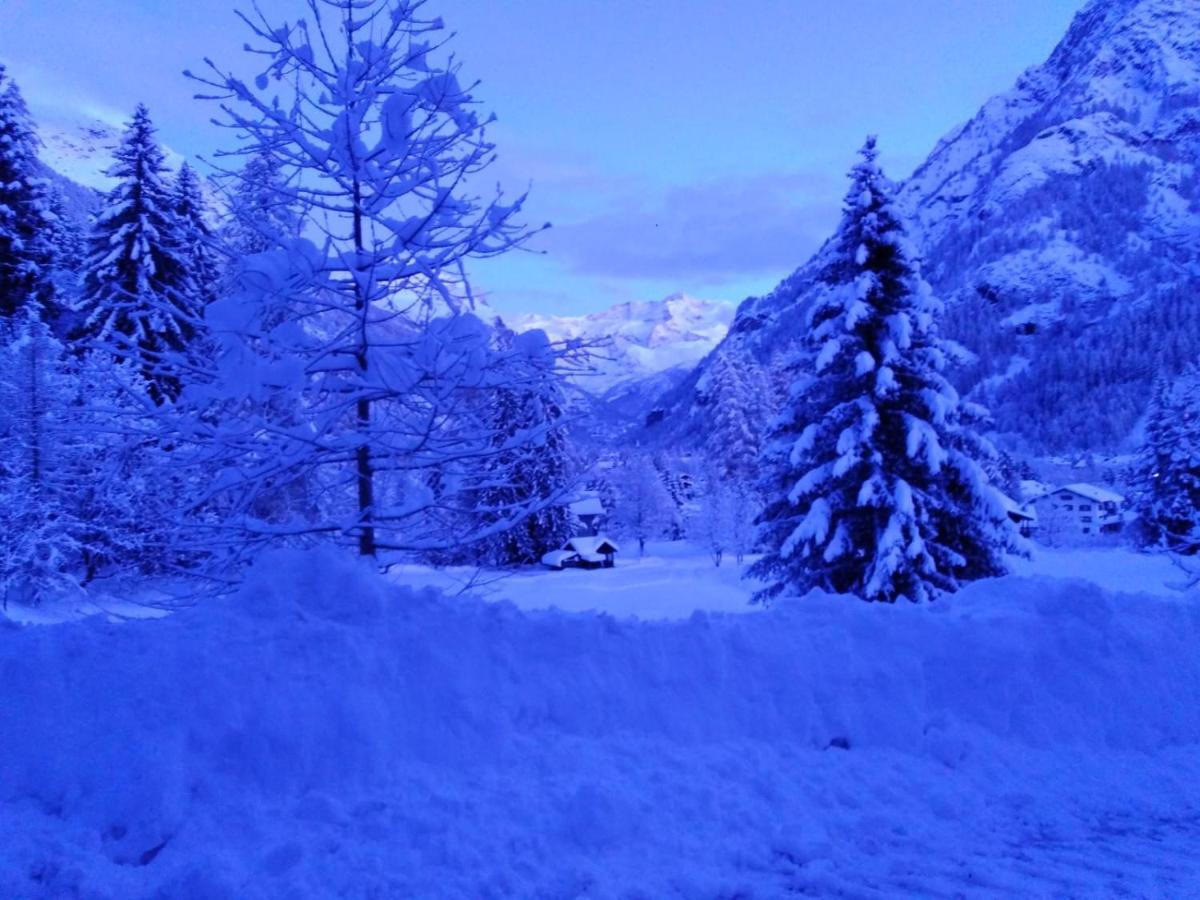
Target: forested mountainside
(1062,226)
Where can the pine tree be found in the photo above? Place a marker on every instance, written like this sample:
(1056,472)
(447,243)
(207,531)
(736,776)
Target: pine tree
(139,300)
(196,235)
(1168,465)
(26,255)
(876,492)
(532,466)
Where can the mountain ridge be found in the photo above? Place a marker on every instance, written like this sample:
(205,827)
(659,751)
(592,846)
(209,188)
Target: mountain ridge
(1061,224)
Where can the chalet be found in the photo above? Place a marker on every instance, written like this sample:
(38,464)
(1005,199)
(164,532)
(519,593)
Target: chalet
(1079,510)
(589,552)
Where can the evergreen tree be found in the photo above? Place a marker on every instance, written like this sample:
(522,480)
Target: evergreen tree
(67,249)
(262,211)
(139,300)
(876,491)
(1168,466)
(26,255)
(532,465)
(196,235)
(734,443)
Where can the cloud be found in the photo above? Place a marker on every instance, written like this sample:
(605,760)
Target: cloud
(711,233)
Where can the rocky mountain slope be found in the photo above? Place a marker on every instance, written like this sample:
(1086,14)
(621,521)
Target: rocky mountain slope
(1062,225)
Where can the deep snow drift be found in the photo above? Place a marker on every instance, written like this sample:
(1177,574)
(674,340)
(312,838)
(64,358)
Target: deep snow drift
(327,733)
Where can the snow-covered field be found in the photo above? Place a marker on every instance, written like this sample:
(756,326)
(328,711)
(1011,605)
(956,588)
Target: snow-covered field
(672,581)
(331,733)
(675,580)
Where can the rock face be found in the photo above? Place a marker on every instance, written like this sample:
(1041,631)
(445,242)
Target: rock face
(1062,226)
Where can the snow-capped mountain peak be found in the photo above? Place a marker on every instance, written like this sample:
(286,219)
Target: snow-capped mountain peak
(642,338)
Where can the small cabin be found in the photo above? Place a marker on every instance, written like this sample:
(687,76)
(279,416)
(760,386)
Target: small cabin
(1082,510)
(589,552)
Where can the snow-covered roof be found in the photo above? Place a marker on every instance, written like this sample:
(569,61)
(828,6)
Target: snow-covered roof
(587,506)
(555,558)
(1098,494)
(1034,490)
(589,546)
(1013,508)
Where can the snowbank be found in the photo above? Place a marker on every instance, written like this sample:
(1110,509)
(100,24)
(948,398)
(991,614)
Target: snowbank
(327,733)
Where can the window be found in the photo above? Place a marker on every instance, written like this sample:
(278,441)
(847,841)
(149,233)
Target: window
(1087,531)
(1085,507)
(1087,518)
(1070,507)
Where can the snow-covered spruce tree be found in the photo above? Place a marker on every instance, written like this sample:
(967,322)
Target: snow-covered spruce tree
(1168,465)
(26,253)
(875,490)
(364,337)
(199,244)
(532,466)
(734,442)
(139,301)
(262,211)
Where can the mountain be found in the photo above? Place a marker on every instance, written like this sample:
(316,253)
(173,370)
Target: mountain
(80,148)
(641,340)
(1061,224)
(76,151)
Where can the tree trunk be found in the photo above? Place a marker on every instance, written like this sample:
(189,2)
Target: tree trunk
(364,469)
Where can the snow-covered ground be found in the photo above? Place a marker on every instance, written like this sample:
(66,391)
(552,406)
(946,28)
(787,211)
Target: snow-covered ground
(672,581)
(675,580)
(328,732)
(1112,568)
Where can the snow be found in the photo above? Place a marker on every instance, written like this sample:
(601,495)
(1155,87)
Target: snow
(592,546)
(555,558)
(1091,492)
(1012,507)
(673,581)
(645,338)
(1111,569)
(587,506)
(328,733)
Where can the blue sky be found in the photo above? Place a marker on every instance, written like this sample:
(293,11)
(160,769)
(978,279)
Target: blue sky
(676,145)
